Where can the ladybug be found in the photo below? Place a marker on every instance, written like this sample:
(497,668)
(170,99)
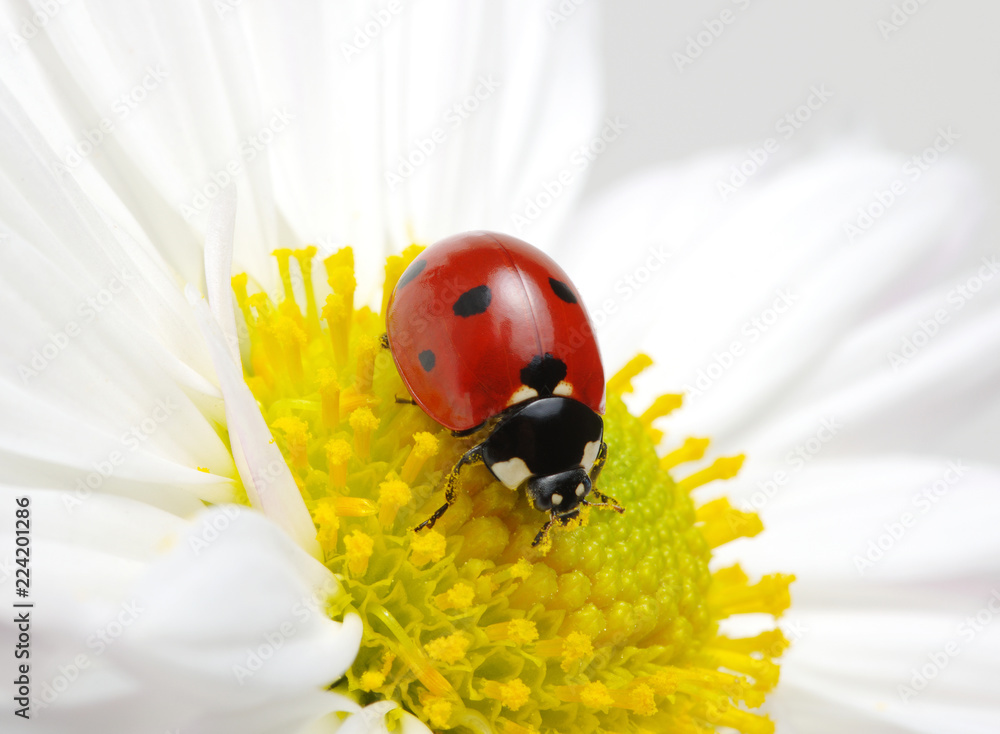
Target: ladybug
(487,332)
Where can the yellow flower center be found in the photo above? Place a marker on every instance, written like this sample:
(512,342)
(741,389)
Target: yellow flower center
(613,626)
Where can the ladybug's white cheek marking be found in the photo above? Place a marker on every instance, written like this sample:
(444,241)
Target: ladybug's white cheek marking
(523,393)
(511,472)
(564,388)
(557,499)
(590,452)
(580,490)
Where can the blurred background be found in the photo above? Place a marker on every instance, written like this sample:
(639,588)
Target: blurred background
(895,71)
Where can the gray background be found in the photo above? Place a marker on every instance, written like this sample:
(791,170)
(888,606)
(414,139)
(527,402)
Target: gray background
(942,67)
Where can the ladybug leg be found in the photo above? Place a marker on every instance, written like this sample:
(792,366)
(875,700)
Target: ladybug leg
(470,458)
(564,520)
(542,533)
(595,472)
(406,401)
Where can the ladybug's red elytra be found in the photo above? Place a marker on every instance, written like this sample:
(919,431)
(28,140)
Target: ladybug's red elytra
(487,331)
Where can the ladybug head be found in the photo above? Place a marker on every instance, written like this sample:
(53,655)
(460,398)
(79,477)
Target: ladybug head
(561,494)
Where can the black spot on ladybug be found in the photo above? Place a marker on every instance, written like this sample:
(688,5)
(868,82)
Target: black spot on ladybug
(562,290)
(415,269)
(427,359)
(543,373)
(473,301)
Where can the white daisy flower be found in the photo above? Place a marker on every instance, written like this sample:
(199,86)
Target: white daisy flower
(847,350)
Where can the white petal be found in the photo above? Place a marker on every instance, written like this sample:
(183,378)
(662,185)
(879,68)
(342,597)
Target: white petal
(266,477)
(908,671)
(860,524)
(892,558)
(144,622)
(370,720)
(102,387)
(219,267)
(308,111)
(742,301)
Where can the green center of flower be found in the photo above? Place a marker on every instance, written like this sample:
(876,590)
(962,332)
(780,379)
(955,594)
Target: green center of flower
(613,627)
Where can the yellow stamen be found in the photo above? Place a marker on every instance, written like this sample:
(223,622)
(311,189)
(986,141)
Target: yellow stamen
(575,647)
(338,309)
(726,468)
(291,339)
(449,649)
(392,495)
(621,382)
(304,257)
(329,393)
(692,450)
(283,255)
(353,506)
(368,348)
(459,596)
(764,672)
(326,518)
(427,547)
(733,594)
(518,631)
(513,694)
(662,406)
(372,679)
(363,421)
(425,445)
(438,712)
(297,438)
(394,267)
(771,643)
(724,523)
(338,451)
(506,726)
(359,547)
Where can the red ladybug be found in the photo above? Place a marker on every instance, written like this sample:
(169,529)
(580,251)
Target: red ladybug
(487,330)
